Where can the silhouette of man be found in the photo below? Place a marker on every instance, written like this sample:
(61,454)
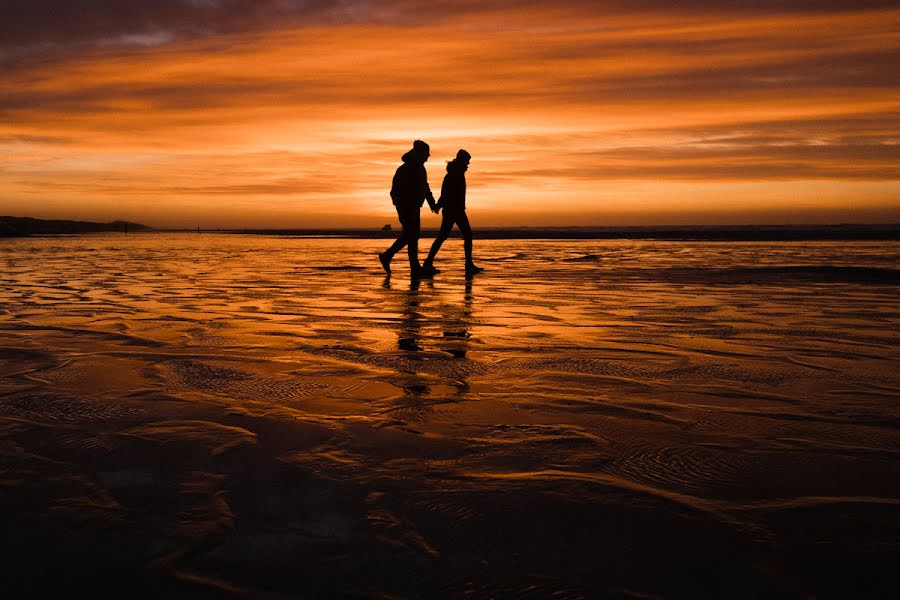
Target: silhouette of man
(408,192)
(453,203)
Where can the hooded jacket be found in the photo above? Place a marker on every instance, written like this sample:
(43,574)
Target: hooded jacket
(453,190)
(410,186)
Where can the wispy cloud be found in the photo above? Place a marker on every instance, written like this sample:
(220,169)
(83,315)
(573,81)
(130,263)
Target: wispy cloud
(283,109)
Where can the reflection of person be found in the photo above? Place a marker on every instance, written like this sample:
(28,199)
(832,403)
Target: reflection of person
(408,192)
(446,328)
(453,203)
(410,330)
(456,327)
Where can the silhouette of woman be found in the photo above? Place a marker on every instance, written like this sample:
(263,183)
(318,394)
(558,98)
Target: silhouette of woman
(453,203)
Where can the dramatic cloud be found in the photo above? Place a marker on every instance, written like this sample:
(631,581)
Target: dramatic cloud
(276,111)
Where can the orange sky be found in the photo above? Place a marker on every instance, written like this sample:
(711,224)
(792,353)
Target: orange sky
(289,114)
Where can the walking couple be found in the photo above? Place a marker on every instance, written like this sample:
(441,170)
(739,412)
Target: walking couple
(410,190)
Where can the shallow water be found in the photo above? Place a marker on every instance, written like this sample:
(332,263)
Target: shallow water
(228,414)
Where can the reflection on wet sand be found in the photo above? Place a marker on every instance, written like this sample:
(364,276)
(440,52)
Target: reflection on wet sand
(457,324)
(410,325)
(454,318)
(221,415)
(432,323)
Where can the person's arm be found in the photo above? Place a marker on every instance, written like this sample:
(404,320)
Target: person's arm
(446,192)
(428,195)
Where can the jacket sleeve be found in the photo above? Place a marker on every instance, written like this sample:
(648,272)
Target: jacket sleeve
(395,187)
(446,191)
(427,189)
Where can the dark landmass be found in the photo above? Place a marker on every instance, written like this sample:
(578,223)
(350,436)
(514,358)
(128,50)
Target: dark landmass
(686,232)
(25,226)
(765,275)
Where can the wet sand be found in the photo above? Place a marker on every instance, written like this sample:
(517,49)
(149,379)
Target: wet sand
(225,415)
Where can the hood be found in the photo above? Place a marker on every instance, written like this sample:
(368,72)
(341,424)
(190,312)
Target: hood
(455,166)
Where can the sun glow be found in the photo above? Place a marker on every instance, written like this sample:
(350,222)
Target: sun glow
(572,117)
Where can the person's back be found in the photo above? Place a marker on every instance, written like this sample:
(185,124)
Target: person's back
(453,190)
(409,187)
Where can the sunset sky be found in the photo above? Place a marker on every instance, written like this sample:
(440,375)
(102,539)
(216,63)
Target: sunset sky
(280,113)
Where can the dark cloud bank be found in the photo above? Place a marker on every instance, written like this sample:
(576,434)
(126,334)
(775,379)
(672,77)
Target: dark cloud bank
(29,22)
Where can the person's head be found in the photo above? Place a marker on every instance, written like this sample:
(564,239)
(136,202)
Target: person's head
(463,158)
(422,150)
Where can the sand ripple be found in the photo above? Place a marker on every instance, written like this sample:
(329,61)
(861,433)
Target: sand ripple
(247,416)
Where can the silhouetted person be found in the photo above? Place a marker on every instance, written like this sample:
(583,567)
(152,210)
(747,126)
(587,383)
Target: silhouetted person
(453,203)
(408,192)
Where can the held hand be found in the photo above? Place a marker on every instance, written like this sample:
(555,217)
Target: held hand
(435,209)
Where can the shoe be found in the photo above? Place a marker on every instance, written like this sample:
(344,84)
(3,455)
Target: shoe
(472,269)
(429,268)
(422,273)
(385,262)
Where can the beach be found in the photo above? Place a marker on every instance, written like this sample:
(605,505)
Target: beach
(269,416)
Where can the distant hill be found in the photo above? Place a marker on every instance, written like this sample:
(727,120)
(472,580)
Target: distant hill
(24,226)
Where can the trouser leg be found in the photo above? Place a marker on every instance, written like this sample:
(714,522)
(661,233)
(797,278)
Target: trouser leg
(409,221)
(446,227)
(411,228)
(398,244)
(402,239)
(462,221)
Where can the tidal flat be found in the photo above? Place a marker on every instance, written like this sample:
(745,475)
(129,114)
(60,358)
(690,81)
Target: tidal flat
(228,415)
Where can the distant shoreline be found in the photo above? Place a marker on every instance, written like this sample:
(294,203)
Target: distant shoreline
(16,227)
(11,227)
(671,233)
